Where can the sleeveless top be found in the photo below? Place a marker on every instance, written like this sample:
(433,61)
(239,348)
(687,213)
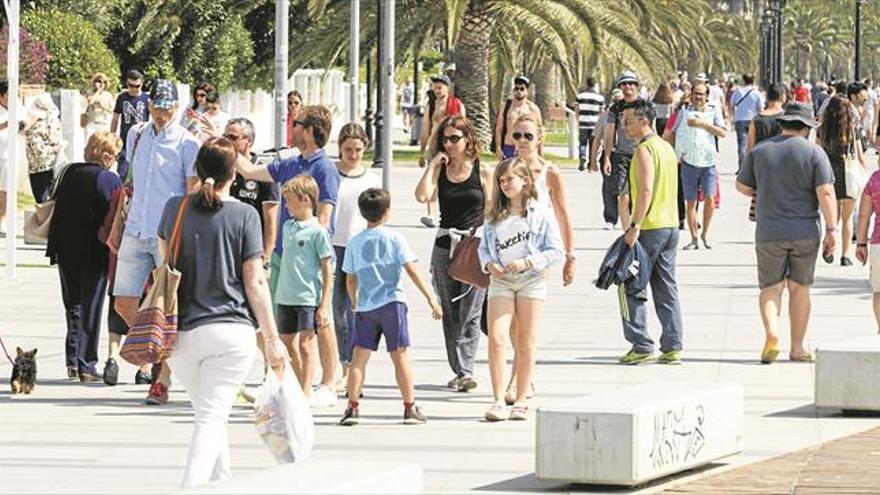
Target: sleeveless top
(461,203)
(542,189)
(663,211)
(766,126)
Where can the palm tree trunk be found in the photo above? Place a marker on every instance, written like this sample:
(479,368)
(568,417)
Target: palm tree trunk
(472,66)
(544,86)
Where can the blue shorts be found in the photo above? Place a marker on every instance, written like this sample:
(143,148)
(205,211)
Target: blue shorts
(389,320)
(294,319)
(509,150)
(694,179)
(136,260)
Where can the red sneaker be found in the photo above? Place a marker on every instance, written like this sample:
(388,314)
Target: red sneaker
(158,395)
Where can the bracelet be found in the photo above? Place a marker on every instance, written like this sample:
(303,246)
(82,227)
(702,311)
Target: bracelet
(861,244)
(831,230)
(570,256)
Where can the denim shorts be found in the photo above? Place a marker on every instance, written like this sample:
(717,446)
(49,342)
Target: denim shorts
(526,285)
(295,319)
(695,178)
(137,259)
(389,320)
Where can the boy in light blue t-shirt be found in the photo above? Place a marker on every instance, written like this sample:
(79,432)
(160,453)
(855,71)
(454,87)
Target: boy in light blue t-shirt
(374,261)
(305,280)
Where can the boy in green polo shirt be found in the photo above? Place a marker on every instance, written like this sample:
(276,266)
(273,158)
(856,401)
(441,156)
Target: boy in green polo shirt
(305,280)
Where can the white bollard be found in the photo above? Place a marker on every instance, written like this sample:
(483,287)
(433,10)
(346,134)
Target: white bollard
(847,374)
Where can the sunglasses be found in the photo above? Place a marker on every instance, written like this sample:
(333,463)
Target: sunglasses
(628,83)
(201,95)
(699,94)
(299,122)
(519,135)
(130,85)
(454,139)
(519,88)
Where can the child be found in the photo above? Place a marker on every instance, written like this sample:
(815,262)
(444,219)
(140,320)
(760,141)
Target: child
(520,241)
(870,205)
(355,179)
(305,279)
(374,261)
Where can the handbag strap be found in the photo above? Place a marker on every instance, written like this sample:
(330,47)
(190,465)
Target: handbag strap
(174,242)
(58,180)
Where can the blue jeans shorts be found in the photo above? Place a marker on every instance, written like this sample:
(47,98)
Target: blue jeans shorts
(136,260)
(693,179)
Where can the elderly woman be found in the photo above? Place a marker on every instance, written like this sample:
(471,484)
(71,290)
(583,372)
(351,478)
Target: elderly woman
(82,197)
(99,106)
(462,188)
(43,144)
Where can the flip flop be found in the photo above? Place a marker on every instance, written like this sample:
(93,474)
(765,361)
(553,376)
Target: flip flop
(801,358)
(769,354)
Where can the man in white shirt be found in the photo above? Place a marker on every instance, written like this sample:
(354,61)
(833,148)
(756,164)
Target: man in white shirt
(4,123)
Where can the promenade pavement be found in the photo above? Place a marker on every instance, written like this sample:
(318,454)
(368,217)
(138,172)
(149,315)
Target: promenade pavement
(69,437)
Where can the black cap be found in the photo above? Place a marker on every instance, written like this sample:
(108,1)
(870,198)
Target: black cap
(522,80)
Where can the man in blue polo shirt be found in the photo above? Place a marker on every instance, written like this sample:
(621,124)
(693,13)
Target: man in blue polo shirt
(311,131)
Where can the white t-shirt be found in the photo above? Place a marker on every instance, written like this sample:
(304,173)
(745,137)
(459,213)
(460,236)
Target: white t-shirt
(716,96)
(4,134)
(219,120)
(512,239)
(348,216)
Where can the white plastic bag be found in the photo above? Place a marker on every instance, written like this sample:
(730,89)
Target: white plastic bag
(283,418)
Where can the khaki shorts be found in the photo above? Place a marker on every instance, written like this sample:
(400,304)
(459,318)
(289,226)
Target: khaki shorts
(874,258)
(526,285)
(780,260)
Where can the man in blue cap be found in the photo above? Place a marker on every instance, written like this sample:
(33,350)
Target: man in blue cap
(162,155)
(619,147)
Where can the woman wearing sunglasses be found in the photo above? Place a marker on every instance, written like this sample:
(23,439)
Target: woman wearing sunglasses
(455,178)
(528,135)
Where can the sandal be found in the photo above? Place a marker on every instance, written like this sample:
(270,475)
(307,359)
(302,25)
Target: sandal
(497,413)
(706,243)
(769,354)
(510,395)
(691,246)
(801,358)
(519,413)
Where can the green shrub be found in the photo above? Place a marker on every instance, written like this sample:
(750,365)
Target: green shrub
(76,48)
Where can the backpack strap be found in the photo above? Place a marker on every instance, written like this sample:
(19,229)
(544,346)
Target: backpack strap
(507,105)
(129,174)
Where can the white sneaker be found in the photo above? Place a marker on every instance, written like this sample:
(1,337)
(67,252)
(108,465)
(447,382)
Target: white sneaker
(323,396)
(609,226)
(453,383)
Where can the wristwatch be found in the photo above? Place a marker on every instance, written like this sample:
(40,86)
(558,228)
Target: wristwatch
(570,256)
(634,225)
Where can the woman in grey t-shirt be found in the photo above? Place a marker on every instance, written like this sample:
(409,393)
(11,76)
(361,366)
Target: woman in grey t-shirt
(223,293)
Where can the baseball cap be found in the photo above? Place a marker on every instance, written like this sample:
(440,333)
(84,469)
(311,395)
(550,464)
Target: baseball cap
(442,79)
(616,93)
(164,94)
(522,80)
(627,77)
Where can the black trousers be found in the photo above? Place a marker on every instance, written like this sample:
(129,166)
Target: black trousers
(40,184)
(82,290)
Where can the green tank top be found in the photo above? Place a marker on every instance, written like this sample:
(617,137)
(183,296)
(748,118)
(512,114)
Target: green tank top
(663,212)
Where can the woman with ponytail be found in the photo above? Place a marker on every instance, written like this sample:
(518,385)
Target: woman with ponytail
(222,297)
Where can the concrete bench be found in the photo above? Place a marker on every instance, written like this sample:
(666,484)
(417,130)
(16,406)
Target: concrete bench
(847,374)
(323,476)
(638,433)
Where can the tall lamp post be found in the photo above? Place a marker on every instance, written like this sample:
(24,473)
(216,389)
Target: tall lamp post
(778,7)
(771,59)
(858,40)
(765,51)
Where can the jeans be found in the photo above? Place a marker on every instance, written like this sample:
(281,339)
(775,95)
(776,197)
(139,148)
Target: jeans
(609,200)
(461,318)
(212,361)
(343,316)
(585,141)
(82,291)
(661,246)
(742,136)
(135,262)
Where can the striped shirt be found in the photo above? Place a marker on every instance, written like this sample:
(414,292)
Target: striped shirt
(590,105)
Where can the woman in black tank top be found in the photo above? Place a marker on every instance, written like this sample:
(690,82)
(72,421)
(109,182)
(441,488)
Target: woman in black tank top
(462,188)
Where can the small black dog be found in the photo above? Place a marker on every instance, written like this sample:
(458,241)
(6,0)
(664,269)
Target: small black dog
(24,372)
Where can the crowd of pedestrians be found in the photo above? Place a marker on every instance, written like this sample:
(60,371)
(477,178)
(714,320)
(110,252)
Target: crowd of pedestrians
(299,249)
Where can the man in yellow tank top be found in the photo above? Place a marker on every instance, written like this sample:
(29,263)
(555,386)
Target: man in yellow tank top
(653,178)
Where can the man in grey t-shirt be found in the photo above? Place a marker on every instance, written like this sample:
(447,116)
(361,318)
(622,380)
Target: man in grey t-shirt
(793,180)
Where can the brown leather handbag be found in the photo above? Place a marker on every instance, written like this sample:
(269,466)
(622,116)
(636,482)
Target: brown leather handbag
(465,266)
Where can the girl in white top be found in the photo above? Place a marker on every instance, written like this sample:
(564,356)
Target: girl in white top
(355,179)
(520,241)
(529,136)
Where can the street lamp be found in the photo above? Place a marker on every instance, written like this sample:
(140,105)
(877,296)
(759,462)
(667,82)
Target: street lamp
(778,6)
(858,40)
(771,58)
(765,51)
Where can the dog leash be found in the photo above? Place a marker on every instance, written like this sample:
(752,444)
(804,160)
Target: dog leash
(6,352)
